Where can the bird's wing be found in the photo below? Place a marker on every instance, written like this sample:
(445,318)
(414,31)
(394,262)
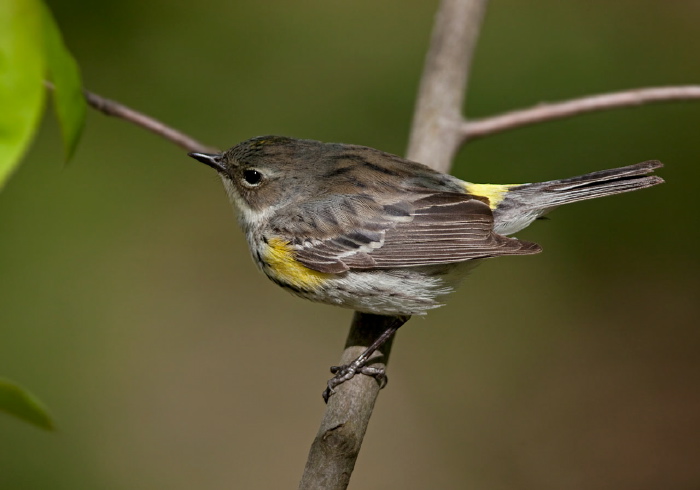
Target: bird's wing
(421,229)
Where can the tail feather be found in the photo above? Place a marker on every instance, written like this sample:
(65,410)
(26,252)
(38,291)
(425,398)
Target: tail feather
(525,203)
(599,184)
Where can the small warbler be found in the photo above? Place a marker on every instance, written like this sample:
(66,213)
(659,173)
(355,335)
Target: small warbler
(356,227)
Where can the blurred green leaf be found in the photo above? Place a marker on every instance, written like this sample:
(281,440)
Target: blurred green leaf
(63,71)
(19,402)
(21,78)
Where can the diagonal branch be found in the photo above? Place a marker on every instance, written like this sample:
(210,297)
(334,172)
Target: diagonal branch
(479,128)
(337,444)
(116,109)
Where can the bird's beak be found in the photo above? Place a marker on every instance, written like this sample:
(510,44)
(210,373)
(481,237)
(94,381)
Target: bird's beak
(211,159)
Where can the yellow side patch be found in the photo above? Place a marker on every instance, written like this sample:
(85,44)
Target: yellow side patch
(495,193)
(280,257)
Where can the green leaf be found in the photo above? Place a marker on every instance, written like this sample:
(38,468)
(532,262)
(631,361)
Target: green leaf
(63,71)
(20,403)
(21,79)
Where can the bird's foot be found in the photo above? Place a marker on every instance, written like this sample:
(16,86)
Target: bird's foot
(348,371)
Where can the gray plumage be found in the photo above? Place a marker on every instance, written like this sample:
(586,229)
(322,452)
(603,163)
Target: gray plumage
(360,228)
(527,202)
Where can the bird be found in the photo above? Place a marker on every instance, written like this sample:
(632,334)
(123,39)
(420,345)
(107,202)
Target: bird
(356,227)
(360,228)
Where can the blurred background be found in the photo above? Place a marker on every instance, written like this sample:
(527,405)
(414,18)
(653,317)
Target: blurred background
(129,303)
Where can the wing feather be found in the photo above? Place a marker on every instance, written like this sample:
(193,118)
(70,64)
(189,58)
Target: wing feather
(413,230)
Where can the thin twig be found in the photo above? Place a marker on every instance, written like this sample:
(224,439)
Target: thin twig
(479,128)
(116,109)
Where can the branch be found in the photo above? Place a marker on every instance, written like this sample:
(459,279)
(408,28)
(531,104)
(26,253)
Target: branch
(116,109)
(434,140)
(435,136)
(337,444)
(478,128)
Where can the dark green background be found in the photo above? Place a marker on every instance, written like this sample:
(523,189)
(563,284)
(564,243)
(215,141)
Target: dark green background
(129,304)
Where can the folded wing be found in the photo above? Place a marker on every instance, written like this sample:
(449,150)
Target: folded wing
(420,229)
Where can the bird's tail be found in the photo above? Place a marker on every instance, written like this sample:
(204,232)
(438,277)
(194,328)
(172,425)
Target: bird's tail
(522,204)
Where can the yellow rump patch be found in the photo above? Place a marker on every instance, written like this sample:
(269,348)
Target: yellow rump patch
(284,267)
(495,193)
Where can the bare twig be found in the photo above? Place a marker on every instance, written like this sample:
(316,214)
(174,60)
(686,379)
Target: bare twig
(478,128)
(434,140)
(116,109)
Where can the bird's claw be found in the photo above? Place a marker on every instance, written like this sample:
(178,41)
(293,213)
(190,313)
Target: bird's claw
(348,371)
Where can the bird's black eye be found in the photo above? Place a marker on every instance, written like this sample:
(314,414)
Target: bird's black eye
(252,177)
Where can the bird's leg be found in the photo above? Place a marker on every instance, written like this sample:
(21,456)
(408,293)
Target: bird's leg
(359,365)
